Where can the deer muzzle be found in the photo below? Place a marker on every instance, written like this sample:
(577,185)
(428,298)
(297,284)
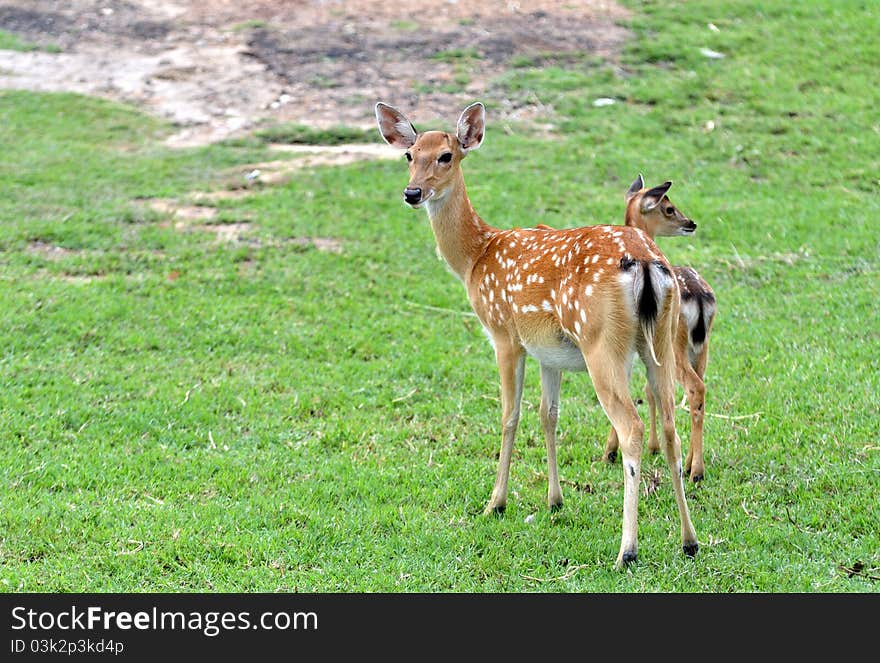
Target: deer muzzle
(412,196)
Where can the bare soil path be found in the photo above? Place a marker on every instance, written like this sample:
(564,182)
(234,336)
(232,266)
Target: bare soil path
(219,67)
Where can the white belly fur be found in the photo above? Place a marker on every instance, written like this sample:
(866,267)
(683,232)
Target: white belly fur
(563,357)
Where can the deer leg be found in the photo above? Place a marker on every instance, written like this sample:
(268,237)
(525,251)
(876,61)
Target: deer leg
(662,384)
(612,387)
(695,390)
(511,367)
(551,379)
(612,443)
(653,442)
(695,452)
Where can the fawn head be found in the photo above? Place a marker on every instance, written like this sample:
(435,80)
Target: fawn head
(652,211)
(433,156)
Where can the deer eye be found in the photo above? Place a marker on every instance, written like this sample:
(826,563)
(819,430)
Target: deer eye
(446,157)
(408,156)
(669,210)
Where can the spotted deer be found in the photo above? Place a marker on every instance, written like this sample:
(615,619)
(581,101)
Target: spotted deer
(582,299)
(651,211)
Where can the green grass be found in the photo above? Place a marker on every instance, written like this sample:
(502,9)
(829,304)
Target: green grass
(457,55)
(185,415)
(405,25)
(297,134)
(251,24)
(9,41)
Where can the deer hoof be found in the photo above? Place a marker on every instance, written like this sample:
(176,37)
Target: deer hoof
(611,456)
(628,557)
(556,506)
(690,549)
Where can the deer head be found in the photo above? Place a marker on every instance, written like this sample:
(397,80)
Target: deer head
(433,156)
(652,211)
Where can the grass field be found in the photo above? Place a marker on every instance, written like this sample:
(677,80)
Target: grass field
(183,414)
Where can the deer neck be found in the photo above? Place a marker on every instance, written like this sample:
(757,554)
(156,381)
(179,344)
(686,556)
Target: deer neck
(631,220)
(460,233)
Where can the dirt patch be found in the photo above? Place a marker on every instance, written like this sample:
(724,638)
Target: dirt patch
(193,218)
(48,251)
(280,170)
(81,279)
(338,154)
(185,218)
(220,67)
(321,243)
(213,196)
(224,233)
(180,211)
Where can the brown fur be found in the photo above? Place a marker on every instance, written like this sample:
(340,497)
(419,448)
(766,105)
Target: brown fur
(691,357)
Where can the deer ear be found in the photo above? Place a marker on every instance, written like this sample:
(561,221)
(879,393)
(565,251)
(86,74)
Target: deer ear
(471,126)
(394,126)
(653,196)
(635,187)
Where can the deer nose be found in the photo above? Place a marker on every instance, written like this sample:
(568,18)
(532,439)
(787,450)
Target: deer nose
(690,225)
(412,196)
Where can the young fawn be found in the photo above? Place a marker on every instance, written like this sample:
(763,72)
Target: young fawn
(652,211)
(588,298)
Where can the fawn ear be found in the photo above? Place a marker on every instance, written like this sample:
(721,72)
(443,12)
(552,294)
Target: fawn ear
(471,126)
(653,196)
(394,126)
(635,187)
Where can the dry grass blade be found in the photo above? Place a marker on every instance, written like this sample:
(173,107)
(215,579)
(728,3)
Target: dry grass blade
(748,513)
(438,309)
(406,396)
(754,415)
(652,484)
(857,569)
(577,485)
(565,576)
(138,547)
